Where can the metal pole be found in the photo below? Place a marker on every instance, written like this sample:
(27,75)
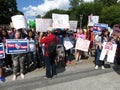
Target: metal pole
(81,16)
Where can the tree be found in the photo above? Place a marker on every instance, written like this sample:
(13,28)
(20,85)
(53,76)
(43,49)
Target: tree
(8,8)
(75,3)
(107,2)
(111,14)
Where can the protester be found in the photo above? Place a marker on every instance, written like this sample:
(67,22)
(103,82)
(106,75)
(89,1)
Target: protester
(7,59)
(49,60)
(31,55)
(68,52)
(90,36)
(80,34)
(2,78)
(99,40)
(18,59)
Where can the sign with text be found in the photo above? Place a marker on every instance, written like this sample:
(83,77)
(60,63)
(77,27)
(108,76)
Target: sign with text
(2,51)
(43,24)
(60,21)
(73,25)
(19,21)
(16,46)
(93,19)
(109,49)
(99,27)
(82,44)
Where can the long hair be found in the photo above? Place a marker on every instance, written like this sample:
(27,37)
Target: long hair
(33,37)
(20,34)
(7,35)
(103,35)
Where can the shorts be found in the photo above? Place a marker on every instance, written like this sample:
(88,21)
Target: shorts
(1,62)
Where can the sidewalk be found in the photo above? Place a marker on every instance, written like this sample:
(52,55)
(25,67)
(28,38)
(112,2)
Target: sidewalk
(81,66)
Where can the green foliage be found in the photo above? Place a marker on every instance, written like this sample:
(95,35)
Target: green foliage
(107,2)
(8,8)
(111,14)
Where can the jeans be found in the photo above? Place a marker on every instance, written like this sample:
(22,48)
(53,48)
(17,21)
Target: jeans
(97,57)
(18,60)
(32,58)
(50,66)
(68,52)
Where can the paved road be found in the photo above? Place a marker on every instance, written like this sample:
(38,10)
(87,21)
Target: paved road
(87,79)
(73,77)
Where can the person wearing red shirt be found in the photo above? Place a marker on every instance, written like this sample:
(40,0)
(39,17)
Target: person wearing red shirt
(49,61)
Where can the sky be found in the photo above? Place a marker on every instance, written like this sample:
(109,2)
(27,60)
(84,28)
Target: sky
(31,8)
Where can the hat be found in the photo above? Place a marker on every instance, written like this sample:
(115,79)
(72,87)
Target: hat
(50,29)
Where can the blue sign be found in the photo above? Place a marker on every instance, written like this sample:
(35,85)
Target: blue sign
(2,52)
(99,27)
(16,46)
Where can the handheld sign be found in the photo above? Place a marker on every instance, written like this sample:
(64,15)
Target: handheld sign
(2,52)
(16,46)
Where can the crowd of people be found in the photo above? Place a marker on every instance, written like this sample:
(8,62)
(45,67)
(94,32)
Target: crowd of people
(38,54)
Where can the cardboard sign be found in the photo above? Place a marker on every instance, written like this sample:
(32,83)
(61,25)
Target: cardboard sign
(110,49)
(73,25)
(67,44)
(93,19)
(19,21)
(43,24)
(16,46)
(60,21)
(2,52)
(82,44)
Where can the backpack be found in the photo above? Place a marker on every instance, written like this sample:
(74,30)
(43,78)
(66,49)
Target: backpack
(52,48)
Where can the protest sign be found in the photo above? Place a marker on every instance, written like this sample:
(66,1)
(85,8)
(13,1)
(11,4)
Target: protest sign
(73,25)
(82,44)
(68,44)
(60,21)
(19,21)
(43,24)
(109,49)
(16,46)
(32,24)
(2,52)
(97,28)
(93,19)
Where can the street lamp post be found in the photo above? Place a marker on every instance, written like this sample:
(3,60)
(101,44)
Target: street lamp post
(81,17)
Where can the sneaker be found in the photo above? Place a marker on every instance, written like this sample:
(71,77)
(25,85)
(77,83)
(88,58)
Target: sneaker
(76,62)
(2,79)
(22,76)
(47,78)
(102,67)
(96,67)
(14,77)
(67,63)
(71,62)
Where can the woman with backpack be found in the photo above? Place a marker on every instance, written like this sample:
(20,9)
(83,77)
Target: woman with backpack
(49,59)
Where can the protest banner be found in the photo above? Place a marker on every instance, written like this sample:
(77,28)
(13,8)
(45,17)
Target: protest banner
(68,44)
(43,24)
(73,25)
(109,49)
(16,46)
(19,21)
(2,51)
(82,44)
(60,21)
